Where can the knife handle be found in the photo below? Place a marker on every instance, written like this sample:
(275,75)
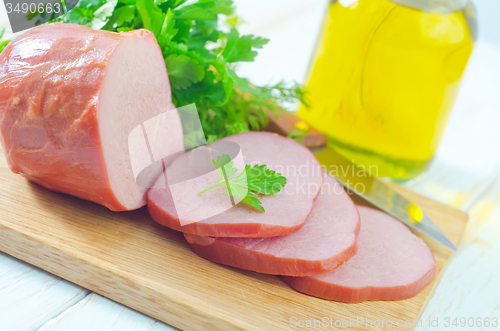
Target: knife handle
(285,122)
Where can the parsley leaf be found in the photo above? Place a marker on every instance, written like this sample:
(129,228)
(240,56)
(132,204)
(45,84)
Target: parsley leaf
(183,71)
(151,15)
(4,42)
(92,13)
(102,15)
(240,48)
(121,16)
(250,182)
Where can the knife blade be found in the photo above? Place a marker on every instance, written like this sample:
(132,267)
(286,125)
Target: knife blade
(375,191)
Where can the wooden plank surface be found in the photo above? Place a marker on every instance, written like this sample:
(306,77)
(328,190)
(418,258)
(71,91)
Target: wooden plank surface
(132,260)
(469,287)
(105,315)
(29,291)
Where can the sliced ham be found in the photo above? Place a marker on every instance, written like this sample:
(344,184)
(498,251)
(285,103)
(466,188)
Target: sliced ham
(326,241)
(70,97)
(285,212)
(391,264)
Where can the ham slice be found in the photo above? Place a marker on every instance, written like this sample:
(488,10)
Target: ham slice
(326,241)
(70,97)
(285,213)
(391,264)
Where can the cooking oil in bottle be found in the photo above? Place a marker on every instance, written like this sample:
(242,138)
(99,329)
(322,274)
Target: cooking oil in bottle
(384,79)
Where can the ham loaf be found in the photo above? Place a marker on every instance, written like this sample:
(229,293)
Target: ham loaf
(70,97)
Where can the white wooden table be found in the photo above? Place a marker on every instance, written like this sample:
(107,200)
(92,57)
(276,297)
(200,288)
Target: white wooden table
(465,174)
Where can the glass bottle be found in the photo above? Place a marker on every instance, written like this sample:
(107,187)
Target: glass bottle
(384,79)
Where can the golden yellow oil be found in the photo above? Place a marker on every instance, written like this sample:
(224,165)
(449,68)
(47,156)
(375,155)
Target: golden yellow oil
(384,80)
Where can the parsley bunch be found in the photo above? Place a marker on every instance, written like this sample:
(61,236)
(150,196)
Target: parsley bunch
(250,182)
(200,57)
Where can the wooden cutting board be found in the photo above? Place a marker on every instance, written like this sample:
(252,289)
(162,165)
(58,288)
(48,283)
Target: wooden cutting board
(129,258)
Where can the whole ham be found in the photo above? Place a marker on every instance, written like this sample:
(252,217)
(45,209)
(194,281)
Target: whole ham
(285,212)
(391,264)
(326,241)
(69,98)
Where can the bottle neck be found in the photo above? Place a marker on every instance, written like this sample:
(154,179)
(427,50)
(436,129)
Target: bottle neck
(439,6)
(446,7)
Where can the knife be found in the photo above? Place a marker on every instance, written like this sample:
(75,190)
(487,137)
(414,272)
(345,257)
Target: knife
(357,180)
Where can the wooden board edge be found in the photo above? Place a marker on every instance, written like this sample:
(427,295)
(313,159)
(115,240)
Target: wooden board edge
(460,217)
(410,194)
(429,296)
(463,218)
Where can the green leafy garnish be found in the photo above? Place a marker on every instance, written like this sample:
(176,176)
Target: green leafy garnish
(250,182)
(202,47)
(4,42)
